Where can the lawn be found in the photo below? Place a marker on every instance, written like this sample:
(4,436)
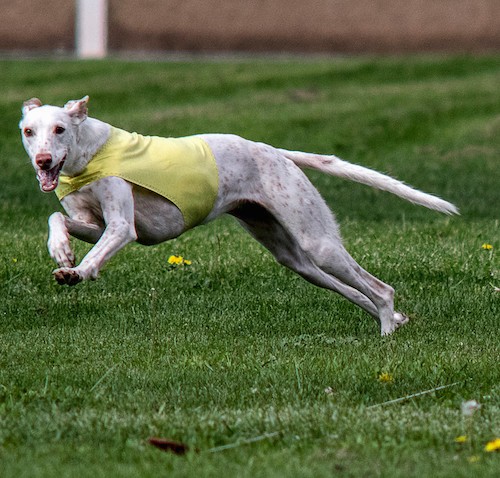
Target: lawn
(259,373)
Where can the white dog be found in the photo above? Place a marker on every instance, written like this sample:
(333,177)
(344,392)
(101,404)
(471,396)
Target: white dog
(119,187)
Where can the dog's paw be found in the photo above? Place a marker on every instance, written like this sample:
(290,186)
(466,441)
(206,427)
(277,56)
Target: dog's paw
(66,275)
(398,321)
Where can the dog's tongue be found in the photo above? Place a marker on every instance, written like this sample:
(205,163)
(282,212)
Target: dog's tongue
(48,179)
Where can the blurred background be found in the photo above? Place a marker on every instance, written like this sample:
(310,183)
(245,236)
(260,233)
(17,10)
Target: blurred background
(95,28)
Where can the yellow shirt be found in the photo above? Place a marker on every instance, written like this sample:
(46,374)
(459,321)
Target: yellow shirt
(183,170)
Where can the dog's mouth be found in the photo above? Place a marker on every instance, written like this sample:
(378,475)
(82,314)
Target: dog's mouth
(49,178)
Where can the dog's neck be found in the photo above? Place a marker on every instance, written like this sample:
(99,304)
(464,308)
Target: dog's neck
(90,137)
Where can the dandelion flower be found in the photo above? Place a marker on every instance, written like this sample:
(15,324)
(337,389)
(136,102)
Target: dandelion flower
(473,459)
(487,247)
(461,439)
(178,261)
(385,377)
(493,445)
(175,260)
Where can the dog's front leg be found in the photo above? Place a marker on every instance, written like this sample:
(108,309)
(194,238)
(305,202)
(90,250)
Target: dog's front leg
(117,204)
(58,242)
(60,228)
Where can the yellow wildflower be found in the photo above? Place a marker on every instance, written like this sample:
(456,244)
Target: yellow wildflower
(493,445)
(175,260)
(461,439)
(385,377)
(487,247)
(473,459)
(178,261)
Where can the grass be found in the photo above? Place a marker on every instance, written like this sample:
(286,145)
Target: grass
(233,347)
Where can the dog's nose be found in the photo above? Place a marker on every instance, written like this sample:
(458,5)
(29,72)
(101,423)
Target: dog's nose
(43,160)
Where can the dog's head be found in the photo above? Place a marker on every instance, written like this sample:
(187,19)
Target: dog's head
(49,134)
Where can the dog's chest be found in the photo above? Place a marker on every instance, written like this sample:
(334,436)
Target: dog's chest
(84,205)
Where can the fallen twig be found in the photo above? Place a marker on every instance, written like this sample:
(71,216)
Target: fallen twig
(242,442)
(103,377)
(408,397)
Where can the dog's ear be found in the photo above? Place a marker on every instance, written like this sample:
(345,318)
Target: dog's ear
(28,105)
(77,109)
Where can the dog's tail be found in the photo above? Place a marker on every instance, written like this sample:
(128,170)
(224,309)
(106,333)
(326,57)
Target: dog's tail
(342,169)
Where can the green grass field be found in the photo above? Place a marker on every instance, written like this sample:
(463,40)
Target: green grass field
(263,373)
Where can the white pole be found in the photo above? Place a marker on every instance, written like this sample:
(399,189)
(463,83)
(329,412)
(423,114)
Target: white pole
(91,28)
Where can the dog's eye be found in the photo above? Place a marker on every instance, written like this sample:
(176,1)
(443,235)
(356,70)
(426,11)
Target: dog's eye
(59,130)
(28,132)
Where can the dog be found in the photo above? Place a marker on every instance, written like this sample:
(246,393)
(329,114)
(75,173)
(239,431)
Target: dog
(263,187)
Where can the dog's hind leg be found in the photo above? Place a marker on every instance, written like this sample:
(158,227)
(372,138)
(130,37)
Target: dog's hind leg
(328,254)
(346,277)
(305,221)
(333,259)
(264,227)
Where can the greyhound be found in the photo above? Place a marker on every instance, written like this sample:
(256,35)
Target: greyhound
(263,187)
